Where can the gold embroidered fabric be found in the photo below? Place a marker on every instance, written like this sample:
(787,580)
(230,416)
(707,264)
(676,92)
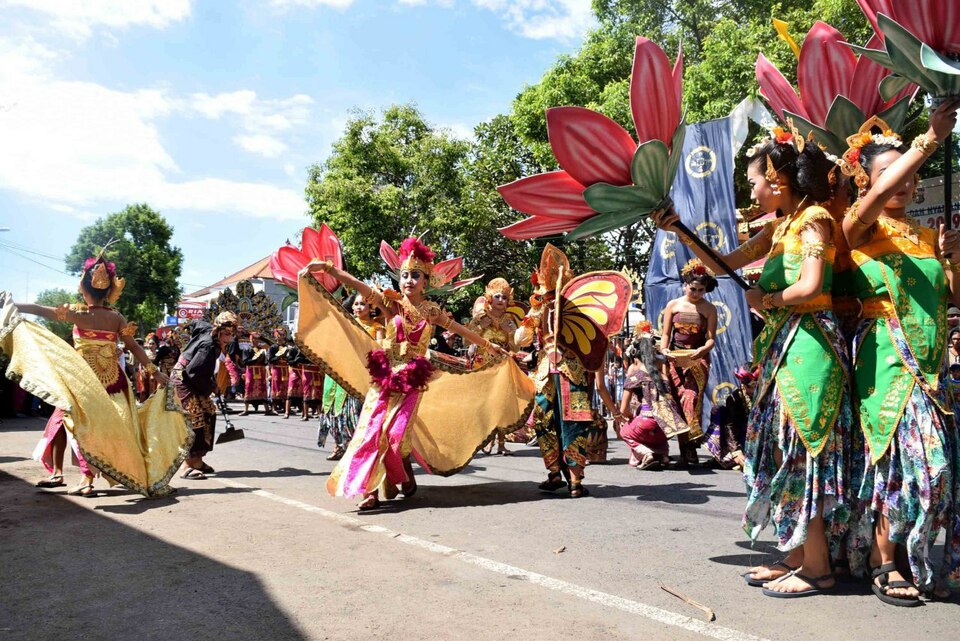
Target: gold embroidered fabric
(816,250)
(140,447)
(130,329)
(457,413)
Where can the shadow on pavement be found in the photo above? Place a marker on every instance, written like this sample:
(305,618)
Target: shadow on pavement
(71,573)
(678,493)
(12,459)
(256,474)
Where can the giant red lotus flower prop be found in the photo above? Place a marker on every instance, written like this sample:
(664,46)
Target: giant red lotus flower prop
(921,43)
(321,244)
(441,281)
(605,180)
(839,90)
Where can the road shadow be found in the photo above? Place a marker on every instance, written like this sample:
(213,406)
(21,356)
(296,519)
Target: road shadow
(12,459)
(474,495)
(676,493)
(278,473)
(74,573)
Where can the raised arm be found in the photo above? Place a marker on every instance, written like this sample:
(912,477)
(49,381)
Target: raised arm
(369,294)
(127,332)
(62,313)
(856,227)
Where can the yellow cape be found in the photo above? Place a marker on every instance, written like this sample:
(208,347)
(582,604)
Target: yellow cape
(140,448)
(459,411)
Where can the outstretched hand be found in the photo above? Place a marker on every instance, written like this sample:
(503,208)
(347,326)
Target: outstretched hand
(943,120)
(949,242)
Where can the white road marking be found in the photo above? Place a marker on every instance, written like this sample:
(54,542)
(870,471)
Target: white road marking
(653,613)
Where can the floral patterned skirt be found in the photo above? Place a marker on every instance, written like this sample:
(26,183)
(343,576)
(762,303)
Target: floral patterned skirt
(798,487)
(914,485)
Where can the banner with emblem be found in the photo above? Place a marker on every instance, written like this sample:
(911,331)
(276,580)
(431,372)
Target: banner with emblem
(703,195)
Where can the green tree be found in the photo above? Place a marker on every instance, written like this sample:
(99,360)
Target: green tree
(56,298)
(143,255)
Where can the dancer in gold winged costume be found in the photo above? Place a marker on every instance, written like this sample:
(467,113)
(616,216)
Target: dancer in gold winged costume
(96,413)
(409,406)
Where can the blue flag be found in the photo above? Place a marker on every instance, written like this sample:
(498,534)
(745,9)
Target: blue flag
(703,196)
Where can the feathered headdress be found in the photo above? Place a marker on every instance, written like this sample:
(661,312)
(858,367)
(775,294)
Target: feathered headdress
(414,254)
(695,267)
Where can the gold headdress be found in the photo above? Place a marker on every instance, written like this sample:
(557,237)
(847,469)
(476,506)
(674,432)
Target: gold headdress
(554,271)
(499,286)
(225,318)
(850,163)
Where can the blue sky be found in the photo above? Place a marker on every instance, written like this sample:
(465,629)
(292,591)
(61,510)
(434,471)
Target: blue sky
(211,111)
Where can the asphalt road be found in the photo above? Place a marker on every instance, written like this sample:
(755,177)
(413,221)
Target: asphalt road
(259,551)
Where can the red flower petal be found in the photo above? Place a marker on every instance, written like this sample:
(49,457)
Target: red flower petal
(824,71)
(926,19)
(779,93)
(678,79)
(310,242)
(537,226)
(286,264)
(448,269)
(589,146)
(867,75)
(389,255)
(653,94)
(554,195)
(871,8)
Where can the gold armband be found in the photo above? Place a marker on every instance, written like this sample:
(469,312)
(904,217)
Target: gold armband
(854,213)
(685,240)
(925,144)
(767,301)
(445,322)
(752,249)
(129,330)
(151,369)
(813,250)
(60,313)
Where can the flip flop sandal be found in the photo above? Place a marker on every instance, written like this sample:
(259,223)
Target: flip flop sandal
(82,490)
(553,483)
(578,491)
(758,583)
(55,480)
(883,574)
(193,474)
(813,581)
(365,506)
(206,469)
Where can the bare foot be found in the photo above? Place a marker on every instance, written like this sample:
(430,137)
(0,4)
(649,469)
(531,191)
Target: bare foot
(797,582)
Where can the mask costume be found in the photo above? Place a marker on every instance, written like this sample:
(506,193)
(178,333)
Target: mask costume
(571,318)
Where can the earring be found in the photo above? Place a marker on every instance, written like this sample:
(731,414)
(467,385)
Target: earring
(772,177)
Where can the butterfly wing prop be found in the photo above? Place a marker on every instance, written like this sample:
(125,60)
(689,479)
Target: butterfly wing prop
(592,307)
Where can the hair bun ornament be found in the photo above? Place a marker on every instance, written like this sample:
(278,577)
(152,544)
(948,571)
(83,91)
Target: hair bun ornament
(695,267)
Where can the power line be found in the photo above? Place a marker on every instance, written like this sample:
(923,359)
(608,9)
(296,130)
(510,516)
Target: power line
(37,262)
(29,251)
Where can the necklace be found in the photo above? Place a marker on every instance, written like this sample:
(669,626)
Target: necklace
(908,229)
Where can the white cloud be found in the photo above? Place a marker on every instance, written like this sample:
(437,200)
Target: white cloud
(261,121)
(458,130)
(266,146)
(77,18)
(543,19)
(336,4)
(81,146)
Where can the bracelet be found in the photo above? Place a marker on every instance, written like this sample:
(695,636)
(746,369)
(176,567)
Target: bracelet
(60,313)
(151,369)
(854,213)
(925,144)
(767,301)
(685,240)
(950,266)
(444,322)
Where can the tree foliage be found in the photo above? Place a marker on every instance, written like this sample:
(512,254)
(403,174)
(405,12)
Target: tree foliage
(143,255)
(56,298)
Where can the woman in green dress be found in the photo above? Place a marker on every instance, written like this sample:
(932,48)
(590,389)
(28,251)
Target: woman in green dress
(795,469)
(904,276)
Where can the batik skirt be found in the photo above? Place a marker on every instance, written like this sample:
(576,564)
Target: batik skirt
(789,491)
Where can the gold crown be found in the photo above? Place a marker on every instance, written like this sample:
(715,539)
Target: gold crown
(696,266)
(499,286)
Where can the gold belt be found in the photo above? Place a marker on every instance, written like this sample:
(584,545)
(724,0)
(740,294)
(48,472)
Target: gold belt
(879,307)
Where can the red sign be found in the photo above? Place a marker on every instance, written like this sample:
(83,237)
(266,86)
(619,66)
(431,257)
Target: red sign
(191,310)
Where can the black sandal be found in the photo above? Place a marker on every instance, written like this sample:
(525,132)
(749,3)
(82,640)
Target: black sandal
(206,469)
(54,480)
(553,483)
(883,574)
(337,454)
(815,583)
(193,474)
